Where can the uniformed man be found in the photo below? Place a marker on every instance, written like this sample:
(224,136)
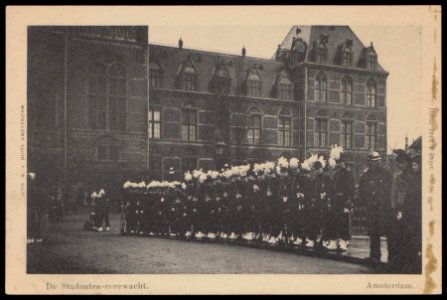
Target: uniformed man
(399,231)
(341,207)
(251,207)
(286,205)
(271,208)
(374,193)
(297,203)
(412,218)
(235,205)
(323,198)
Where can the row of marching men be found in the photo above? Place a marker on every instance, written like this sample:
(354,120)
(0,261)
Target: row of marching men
(302,203)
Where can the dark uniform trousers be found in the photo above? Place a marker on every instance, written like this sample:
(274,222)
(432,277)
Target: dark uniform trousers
(375,193)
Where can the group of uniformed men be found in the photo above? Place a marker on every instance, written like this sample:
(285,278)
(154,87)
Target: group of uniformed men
(289,202)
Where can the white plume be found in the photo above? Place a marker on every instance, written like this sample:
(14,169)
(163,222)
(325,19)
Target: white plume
(336,152)
(294,163)
(202,177)
(183,186)
(305,165)
(127,184)
(196,173)
(332,162)
(322,161)
(188,176)
(282,162)
(312,160)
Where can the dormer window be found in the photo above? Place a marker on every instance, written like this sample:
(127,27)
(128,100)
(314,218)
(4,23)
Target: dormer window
(254,85)
(284,87)
(372,61)
(347,57)
(321,55)
(221,80)
(187,76)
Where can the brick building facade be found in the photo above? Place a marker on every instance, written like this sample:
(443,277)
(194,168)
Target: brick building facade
(322,87)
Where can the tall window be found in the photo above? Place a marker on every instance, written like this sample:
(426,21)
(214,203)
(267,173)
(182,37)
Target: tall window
(346,91)
(155,75)
(254,85)
(189,125)
(117,87)
(154,123)
(321,88)
(371,95)
(188,82)
(371,135)
(321,55)
(347,58)
(285,89)
(372,61)
(346,134)
(254,127)
(285,132)
(97,96)
(321,133)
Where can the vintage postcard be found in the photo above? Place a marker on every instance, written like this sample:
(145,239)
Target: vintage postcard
(223,150)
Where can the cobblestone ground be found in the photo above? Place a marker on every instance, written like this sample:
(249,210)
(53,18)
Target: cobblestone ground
(68,248)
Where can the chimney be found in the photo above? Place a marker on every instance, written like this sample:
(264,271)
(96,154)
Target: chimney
(244,51)
(180,43)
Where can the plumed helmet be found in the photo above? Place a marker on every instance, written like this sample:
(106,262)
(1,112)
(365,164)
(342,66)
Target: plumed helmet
(282,162)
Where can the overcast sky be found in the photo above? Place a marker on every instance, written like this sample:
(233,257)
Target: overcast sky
(398,49)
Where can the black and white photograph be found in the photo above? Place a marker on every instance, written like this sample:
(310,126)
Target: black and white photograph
(209,149)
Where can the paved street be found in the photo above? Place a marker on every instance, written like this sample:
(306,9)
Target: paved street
(69,249)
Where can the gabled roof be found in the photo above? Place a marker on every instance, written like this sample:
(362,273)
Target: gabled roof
(337,36)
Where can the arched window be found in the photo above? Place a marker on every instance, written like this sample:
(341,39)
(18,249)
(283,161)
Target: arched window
(347,130)
(97,94)
(346,91)
(254,127)
(371,132)
(371,93)
(321,55)
(187,76)
(321,88)
(321,129)
(285,128)
(155,75)
(285,89)
(347,57)
(254,85)
(117,92)
(221,80)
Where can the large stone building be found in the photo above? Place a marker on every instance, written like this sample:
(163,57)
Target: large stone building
(322,87)
(87,103)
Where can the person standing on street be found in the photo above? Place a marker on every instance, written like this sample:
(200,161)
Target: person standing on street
(374,193)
